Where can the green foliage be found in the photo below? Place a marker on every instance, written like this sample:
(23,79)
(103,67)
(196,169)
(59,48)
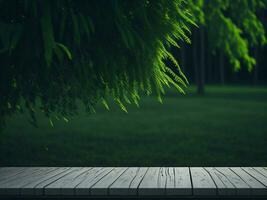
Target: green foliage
(233,27)
(196,8)
(228,37)
(246,18)
(64,51)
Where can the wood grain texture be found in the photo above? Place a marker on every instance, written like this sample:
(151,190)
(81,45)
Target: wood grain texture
(66,184)
(127,183)
(9,172)
(243,187)
(93,176)
(178,181)
(261,170)
(13,185)
(256,188)
(101,187)
(19,175)
(137,182)
(152,183)
(36,186)
(224,186)
(256,174)
(202,182)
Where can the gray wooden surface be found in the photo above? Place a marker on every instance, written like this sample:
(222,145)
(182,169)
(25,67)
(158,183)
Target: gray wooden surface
(133,181)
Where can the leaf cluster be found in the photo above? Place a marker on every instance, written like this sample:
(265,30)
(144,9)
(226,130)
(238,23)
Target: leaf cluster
(65,51)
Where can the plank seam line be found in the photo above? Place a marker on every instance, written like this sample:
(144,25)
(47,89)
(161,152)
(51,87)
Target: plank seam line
(51,177)
(217,192)
(134,177)
(38,171)
(108,188)
(174,177)
(85,172)
(165,186)
(50,170)
(259,172)
(250,188)
(15,174)
(15,177)
(100,179)
(215,173)
(191,180)
(158,184)
(226,178)
(168,176)
(253,176)
(141,181)
(72,170)
(87,177)
(40,175)
(235,188)
(102,173)
(57,179)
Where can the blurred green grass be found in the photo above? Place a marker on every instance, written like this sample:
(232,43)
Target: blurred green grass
(226,127)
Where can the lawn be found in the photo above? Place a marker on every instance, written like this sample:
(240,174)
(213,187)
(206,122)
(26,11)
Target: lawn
(226,127)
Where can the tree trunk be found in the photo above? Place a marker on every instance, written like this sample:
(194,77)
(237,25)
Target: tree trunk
(199,66)
(209,67)
(195,56)
(221,65)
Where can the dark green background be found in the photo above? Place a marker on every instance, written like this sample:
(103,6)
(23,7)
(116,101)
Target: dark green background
(226,127)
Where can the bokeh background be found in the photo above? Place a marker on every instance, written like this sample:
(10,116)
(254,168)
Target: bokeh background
(225,127)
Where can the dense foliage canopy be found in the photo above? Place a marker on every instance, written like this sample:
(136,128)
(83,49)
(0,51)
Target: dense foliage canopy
(56,53)
(64,51)
(233,27)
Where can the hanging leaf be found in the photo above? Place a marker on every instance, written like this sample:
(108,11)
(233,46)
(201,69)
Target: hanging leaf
(65,50)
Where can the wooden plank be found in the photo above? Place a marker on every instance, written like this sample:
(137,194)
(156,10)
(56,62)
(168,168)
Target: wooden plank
(32,178)
(91,179)
(224,186)
(170,182)
(128,182)
(66,184)
(13,186)
(34,187)
(139,177)
(8,172)
(101,187)
(24,173)
(162,177)
(154,182)
(175,181)
(39,188)
(178,181)
(183,181)
(256,187)
(261,170)
(8,169)
(202,182)
(254,173)
(242,188)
